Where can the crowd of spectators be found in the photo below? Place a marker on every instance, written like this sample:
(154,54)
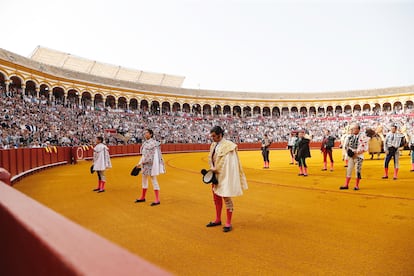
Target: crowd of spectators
(30,122)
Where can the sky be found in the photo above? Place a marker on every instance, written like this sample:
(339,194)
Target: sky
(233,45)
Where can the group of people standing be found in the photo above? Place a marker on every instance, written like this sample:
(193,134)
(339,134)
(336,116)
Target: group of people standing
(151,164)
(224,162)
(354,146)
(298,146)
(393,142)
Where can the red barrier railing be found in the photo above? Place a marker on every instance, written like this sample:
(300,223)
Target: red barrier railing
(38,241)
(20,162)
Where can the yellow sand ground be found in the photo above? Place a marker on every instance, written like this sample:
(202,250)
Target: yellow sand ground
(283,225)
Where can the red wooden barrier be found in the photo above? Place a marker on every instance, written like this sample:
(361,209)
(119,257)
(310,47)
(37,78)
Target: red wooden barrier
(278,145)
(40,157)
(89,152)
(205,147)
(137,148)
(33,158)
(46,157)
(179,147)
(38,241)
(60,154)
(130,149)
(315,145)
(69,155)
(12,161)
(171,147)
(54,156)
(18,161)
(26,160)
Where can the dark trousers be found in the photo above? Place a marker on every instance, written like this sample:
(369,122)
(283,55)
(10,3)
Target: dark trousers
(302,162)
(392,153)
(327,152)
(265,154)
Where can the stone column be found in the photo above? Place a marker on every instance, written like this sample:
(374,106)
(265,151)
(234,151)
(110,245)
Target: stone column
(7,86)
(23,87)
(93,101)
(65,95)
(50,96)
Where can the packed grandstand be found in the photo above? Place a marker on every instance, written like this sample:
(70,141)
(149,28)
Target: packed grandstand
(46,104)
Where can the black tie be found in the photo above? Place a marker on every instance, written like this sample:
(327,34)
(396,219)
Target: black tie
(214,152)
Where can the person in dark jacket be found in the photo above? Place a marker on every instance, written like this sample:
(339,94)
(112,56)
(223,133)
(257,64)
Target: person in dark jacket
(266,142)
(302,151)
(327,145)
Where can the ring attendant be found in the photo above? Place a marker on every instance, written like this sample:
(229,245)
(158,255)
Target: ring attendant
(391,149)
(327,145)
(266,142)
(302,151)
(291,143)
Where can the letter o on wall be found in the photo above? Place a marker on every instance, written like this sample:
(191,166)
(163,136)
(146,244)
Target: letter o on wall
(79,153)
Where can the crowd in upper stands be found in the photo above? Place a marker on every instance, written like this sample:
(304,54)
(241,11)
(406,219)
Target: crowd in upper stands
(31,122)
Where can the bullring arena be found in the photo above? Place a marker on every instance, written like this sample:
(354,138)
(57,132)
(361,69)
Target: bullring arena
(284,224)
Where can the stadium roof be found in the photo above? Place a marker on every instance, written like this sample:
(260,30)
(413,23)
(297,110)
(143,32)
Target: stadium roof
(83,65)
